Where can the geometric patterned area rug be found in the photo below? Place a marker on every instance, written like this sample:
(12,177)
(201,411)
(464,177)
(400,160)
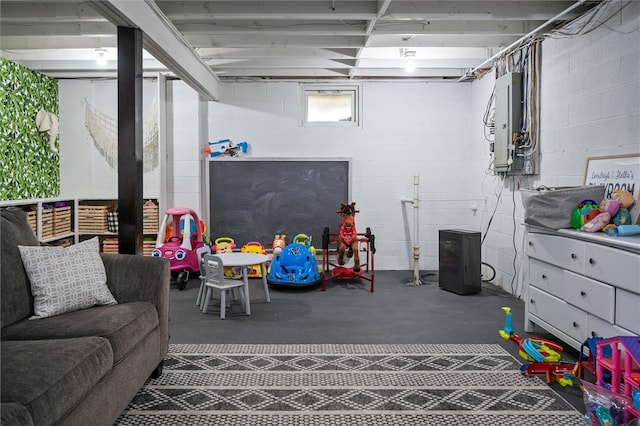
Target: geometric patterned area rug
(343,384)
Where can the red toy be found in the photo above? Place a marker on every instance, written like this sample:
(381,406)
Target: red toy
(181,247)
(350,243)
(544,353)
(560,372)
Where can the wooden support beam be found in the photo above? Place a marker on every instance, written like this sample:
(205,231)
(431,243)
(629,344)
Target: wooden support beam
(130,166)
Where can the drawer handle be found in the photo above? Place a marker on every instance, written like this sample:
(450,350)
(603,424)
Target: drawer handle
(530,243)
(573,256)
(532,301)
(594,334)
(544,277)
(575,324)
(583,294)
(592,260)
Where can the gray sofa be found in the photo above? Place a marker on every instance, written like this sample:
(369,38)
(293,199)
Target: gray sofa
(81,367)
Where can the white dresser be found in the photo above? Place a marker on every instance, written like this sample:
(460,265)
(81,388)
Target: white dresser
(581,285)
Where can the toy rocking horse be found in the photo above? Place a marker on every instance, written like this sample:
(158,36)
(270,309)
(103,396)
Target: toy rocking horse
(350,243)
(347,236)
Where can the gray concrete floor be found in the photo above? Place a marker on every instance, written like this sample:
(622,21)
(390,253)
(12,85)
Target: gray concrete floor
(349,313)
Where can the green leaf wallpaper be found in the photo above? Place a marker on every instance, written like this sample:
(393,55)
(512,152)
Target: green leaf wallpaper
(28,168)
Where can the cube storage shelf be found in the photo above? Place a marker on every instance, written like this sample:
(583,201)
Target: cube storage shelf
(66,221)
(50,218)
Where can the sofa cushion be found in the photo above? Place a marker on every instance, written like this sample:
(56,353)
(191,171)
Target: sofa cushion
(65,279)
(12,413)
(124,325)
(50,377)
(16,293)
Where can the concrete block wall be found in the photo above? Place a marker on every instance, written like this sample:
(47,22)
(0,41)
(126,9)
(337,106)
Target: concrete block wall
(590,96)
(589,107)
(407,129)
(84,173)
(183,159)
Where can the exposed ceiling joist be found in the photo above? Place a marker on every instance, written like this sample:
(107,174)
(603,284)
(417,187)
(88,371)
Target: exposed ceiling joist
(204,41)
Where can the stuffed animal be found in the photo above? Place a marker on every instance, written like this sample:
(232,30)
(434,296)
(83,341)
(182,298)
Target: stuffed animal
(597,223)
(622,217)
(608,208)
(610,205)
(625,198)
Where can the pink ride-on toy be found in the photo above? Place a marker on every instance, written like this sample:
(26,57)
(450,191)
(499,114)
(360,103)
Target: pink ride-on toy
(182,245)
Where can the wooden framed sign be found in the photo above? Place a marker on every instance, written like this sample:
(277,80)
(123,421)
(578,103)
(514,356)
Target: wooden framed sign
(621,172)
(616,172)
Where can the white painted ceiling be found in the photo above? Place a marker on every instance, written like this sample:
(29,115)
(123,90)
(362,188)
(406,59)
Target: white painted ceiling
(279,39)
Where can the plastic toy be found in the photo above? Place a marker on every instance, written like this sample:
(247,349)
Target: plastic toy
(306,241)
(349,243)
(587,362)
(294,266)
(226,245)
(553,371)
(225,147)
(603,406)
(192,224)
(531,349)
(223,245)
(623,230)
(279,243)
(623,364)
(585,212)
(254,271)
(181,247)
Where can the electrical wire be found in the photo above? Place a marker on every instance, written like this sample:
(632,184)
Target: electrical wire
(492,215)
(513,236)
(590,21)
(489,116)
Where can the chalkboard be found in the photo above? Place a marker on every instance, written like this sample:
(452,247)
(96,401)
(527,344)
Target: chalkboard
(256,198)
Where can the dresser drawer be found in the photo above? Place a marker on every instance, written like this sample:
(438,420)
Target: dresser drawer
(589,295)
(566,253)
(546,277)
(597,327)
(613,266)
(558,313)
(628,310)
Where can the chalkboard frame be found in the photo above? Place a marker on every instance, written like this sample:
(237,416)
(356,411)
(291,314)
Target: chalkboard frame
(260,193)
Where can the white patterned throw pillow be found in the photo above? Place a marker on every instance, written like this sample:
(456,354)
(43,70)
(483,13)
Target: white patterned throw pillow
(65,279)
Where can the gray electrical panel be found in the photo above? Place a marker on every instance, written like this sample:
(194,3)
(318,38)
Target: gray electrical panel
(508,116)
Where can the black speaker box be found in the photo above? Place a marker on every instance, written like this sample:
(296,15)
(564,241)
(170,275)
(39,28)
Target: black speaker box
(459,261)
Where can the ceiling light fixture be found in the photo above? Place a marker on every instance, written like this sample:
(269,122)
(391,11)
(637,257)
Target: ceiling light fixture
(409,59)
(101,59)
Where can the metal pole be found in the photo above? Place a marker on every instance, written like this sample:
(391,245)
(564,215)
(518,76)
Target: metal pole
(416,232)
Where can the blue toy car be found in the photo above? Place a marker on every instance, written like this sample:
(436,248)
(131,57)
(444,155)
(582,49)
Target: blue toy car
(295,266)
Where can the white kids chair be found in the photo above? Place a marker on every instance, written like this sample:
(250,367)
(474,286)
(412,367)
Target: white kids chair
(215,279)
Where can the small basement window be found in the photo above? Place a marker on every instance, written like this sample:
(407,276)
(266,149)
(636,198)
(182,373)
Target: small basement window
(330,105)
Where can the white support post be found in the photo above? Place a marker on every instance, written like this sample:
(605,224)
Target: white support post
(416,232)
